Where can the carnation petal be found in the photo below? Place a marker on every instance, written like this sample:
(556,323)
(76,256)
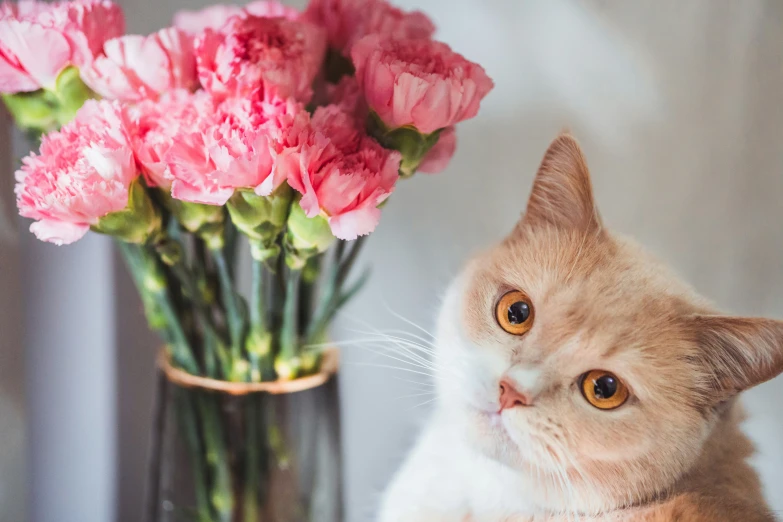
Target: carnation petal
(355,223)
(14,79)
(186,192)
(58,232)
(43,52)
(439,156)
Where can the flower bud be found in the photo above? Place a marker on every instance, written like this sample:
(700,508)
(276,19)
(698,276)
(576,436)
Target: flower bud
(261,218)
(306,237)
(412,144)
(139,222)
(206,221)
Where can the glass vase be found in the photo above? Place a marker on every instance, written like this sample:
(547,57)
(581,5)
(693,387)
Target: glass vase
(247,452)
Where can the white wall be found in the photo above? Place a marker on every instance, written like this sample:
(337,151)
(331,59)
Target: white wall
(679,106)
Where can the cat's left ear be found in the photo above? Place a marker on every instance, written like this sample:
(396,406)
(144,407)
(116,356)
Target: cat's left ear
(740,352)
(562,195)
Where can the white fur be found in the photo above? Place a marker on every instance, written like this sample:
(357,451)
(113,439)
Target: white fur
(445,477)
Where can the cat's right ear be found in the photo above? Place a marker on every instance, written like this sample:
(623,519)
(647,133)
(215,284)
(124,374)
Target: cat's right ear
(562,194)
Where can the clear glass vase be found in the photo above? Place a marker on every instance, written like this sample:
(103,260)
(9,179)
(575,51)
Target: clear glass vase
(260,456)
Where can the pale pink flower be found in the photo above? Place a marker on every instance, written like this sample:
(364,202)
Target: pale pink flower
(39,40)
(236,147)
(279,56)
(348,21)
(421,83)
(81,174)
(438,157)
(134,68)
(214,16)
(154,124)
(344,174)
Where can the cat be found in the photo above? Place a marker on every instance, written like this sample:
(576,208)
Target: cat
(578,380)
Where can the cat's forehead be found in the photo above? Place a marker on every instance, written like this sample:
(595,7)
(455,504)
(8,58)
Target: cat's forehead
(595,287)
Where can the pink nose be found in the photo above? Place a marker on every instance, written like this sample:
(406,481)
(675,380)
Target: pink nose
(510,397)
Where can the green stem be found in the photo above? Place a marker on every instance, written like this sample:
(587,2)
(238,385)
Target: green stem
(221,493)
(331,297)
(287,364)
(236,324)
(259,342)
(155,286)
(189,424)
(252,460)
(212,342)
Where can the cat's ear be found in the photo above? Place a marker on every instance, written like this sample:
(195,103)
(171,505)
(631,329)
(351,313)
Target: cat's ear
(739,352)
(562,194)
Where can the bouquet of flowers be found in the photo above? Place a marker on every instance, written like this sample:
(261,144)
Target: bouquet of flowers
(260,124)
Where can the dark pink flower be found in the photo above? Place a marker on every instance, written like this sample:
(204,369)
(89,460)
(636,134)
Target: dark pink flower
(348,21)
(214,16)
(279,56)
(419,83)
(343,174)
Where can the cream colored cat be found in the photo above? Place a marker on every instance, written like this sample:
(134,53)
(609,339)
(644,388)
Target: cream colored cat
(579,380)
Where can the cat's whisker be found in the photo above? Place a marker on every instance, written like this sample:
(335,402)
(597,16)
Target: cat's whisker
(389,367)
(407,356)
(415,395)
(422,404)
(416,346)
(408,321)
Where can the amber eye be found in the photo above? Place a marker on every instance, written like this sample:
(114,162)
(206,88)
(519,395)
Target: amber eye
(514,312)
(603,389)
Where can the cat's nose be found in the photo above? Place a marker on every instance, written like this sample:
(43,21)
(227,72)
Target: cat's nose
(510,397)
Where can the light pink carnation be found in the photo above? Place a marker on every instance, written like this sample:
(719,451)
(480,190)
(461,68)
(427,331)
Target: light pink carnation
(439,156)
(421,83)
(344,174)
(39,40)
(154,124)
(348,21)
(237,147)
(213,17)
(82,173)
(135,68)
(279,56)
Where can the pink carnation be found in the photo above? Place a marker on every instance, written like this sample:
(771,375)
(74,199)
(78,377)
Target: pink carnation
(155,123)
(344,176)
(282,57)
(439,156)
(135,67)
(348,21)
(213,17)
(82,173)
(347,95)
(422,83)
(39,40)
(237,147)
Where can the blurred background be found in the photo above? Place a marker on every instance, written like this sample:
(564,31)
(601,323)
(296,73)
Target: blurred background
(679,107)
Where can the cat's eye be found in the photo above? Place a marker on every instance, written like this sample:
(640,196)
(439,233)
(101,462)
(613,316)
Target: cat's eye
(514,312)
(603,389)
